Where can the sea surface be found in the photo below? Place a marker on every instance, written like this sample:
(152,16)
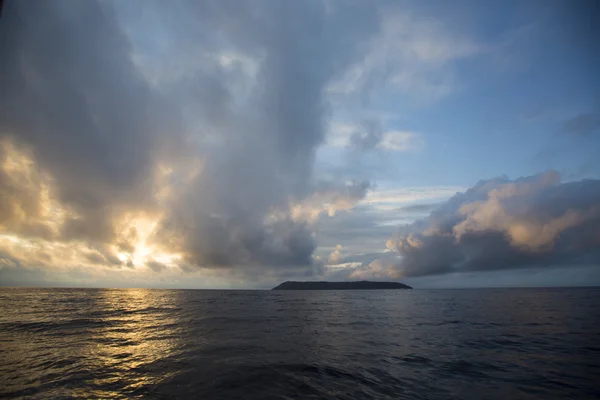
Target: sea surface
(379,344)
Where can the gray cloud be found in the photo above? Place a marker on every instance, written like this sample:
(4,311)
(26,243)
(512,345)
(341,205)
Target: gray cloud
(501,224)
(419,208)
(368,136)
(156,266)
(339,196)
(582,124)
(360,231)
(73,98)
(233,105)
(268,147)
(531,223)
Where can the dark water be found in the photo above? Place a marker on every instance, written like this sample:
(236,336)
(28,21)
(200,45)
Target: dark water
(444,344)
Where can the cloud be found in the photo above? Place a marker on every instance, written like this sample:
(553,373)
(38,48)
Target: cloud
(25,201)
(419,207)
(336,256)
(97,126)
(239,210)
(81,132)
(401,141)
(370,135)
(398,197)
(367,135)
(364,230)
(181,141)
(113,157)
(368,266)
(156,266)
(410,54)
(498,224)
(582,124)
(329,198)
(378,269)
(359,231)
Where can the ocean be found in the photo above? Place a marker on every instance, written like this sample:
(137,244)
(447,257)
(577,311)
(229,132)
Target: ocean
(379,344)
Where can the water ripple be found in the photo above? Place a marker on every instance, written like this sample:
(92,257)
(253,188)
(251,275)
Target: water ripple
(163,344)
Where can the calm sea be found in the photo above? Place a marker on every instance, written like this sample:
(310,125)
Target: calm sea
(403,344)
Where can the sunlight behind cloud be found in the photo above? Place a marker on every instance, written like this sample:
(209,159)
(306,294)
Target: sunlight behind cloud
(34,222)
(137,240)
(245,141)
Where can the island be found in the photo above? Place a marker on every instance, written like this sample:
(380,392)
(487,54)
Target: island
(353,285)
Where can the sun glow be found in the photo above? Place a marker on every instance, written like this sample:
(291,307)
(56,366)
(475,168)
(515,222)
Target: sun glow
(140,229)
(32,221)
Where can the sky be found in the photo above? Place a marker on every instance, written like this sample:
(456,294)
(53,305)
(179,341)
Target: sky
(237,144)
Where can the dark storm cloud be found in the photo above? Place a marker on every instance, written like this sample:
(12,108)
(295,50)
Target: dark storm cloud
(267,151)
(71,95)
(99,112)
(501,224)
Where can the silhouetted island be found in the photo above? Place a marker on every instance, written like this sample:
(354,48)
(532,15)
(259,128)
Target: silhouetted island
(357,285)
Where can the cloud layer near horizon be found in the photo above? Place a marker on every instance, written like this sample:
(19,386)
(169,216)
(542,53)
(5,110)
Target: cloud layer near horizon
(499,224)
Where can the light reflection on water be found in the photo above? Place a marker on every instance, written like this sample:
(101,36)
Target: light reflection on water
(99,338)
(136,329)
(138,343)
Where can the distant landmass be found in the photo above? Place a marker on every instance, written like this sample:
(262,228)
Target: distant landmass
(359,285)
